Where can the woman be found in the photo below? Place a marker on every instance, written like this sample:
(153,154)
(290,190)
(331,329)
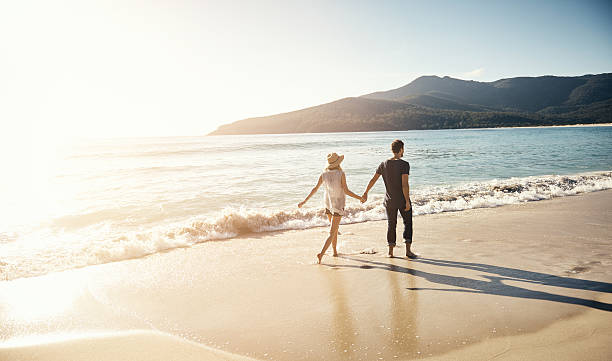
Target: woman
(335,195)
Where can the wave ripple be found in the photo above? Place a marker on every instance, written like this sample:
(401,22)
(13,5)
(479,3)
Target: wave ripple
(233,222)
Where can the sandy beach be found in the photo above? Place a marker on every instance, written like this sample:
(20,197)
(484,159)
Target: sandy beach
(530,281)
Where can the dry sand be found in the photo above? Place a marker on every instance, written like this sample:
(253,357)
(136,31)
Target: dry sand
(521,282)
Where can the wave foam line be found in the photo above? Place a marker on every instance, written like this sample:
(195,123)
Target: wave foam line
(234,222)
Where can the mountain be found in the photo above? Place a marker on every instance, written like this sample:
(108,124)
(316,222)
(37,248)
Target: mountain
(436,100)
(432,102)
(523,94)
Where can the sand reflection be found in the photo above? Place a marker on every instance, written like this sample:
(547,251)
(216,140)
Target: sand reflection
(342,343)
(404,339)
(37,299)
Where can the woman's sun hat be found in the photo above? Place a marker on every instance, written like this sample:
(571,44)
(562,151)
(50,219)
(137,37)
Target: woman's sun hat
(334,160)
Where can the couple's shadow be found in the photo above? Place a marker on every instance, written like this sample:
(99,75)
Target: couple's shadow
(495,285)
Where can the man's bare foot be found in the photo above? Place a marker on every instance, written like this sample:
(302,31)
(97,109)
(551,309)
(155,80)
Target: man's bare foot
(335,254)
(409,254)
(319,256)
(390,254)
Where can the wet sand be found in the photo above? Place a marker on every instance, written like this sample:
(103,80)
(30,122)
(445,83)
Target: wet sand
(527,281)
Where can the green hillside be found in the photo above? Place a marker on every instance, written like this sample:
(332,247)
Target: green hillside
(431,102)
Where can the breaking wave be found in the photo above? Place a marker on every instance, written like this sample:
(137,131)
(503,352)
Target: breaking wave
(236,222)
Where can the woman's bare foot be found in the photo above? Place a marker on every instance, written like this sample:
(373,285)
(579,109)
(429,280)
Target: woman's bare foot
(319,256)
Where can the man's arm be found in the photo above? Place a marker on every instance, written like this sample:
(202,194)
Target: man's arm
(406,190)
(370,185)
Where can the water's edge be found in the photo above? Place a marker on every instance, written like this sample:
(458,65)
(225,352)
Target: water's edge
(241,222)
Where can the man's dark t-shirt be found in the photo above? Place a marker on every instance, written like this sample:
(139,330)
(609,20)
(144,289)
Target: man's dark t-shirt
(391,171)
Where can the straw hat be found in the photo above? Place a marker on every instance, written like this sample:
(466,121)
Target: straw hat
(334,160)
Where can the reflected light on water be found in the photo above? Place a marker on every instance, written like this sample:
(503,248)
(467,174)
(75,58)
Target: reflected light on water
(30,190)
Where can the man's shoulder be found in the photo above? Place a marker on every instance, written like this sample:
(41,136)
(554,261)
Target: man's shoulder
(404,167)
(398,162)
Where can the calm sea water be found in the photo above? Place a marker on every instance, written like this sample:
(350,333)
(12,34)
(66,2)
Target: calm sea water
(107,200)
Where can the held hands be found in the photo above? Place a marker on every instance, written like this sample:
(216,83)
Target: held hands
(301,204)
(364,198)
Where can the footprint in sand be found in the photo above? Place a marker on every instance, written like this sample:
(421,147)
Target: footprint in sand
(578,269)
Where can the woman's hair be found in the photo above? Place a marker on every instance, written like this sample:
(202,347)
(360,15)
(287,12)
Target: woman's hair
(336,167)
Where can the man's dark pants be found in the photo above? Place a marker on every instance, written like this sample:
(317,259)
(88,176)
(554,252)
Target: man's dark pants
(392,223)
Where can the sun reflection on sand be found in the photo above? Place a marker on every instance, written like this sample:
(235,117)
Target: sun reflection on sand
(36,299)
(404,339)
(43,339)
(343,329)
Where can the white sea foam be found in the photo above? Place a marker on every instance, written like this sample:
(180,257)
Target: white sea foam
(28,258)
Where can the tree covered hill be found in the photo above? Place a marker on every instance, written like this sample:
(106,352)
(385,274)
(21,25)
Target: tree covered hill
(432,102)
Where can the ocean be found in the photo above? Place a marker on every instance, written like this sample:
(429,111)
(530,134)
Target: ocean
(106,200)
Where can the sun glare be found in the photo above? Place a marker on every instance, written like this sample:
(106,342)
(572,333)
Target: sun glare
(36,299)
(30,164)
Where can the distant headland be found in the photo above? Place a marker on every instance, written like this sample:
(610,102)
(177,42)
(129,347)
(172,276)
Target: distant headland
(432,102)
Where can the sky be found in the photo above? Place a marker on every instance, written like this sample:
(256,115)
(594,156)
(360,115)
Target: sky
(126,68)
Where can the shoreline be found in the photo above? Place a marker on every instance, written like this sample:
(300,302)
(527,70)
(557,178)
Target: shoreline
(578,125)
(521,275)
(226,226)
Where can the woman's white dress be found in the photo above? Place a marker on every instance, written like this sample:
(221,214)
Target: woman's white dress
(334,197)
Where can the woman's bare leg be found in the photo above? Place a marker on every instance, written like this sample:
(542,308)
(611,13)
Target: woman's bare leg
(333,235)
(329,217)
(334,241)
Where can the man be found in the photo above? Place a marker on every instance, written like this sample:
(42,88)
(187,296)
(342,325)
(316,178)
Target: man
(395,173)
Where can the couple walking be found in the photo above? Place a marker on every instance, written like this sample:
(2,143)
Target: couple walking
(394,171)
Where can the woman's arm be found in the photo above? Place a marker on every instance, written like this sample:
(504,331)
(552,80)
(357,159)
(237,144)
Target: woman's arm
(313,191)
(348,191)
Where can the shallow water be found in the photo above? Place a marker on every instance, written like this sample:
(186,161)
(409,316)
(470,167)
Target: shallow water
(105,200)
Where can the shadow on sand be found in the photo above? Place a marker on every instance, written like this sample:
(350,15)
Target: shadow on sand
(495,285)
